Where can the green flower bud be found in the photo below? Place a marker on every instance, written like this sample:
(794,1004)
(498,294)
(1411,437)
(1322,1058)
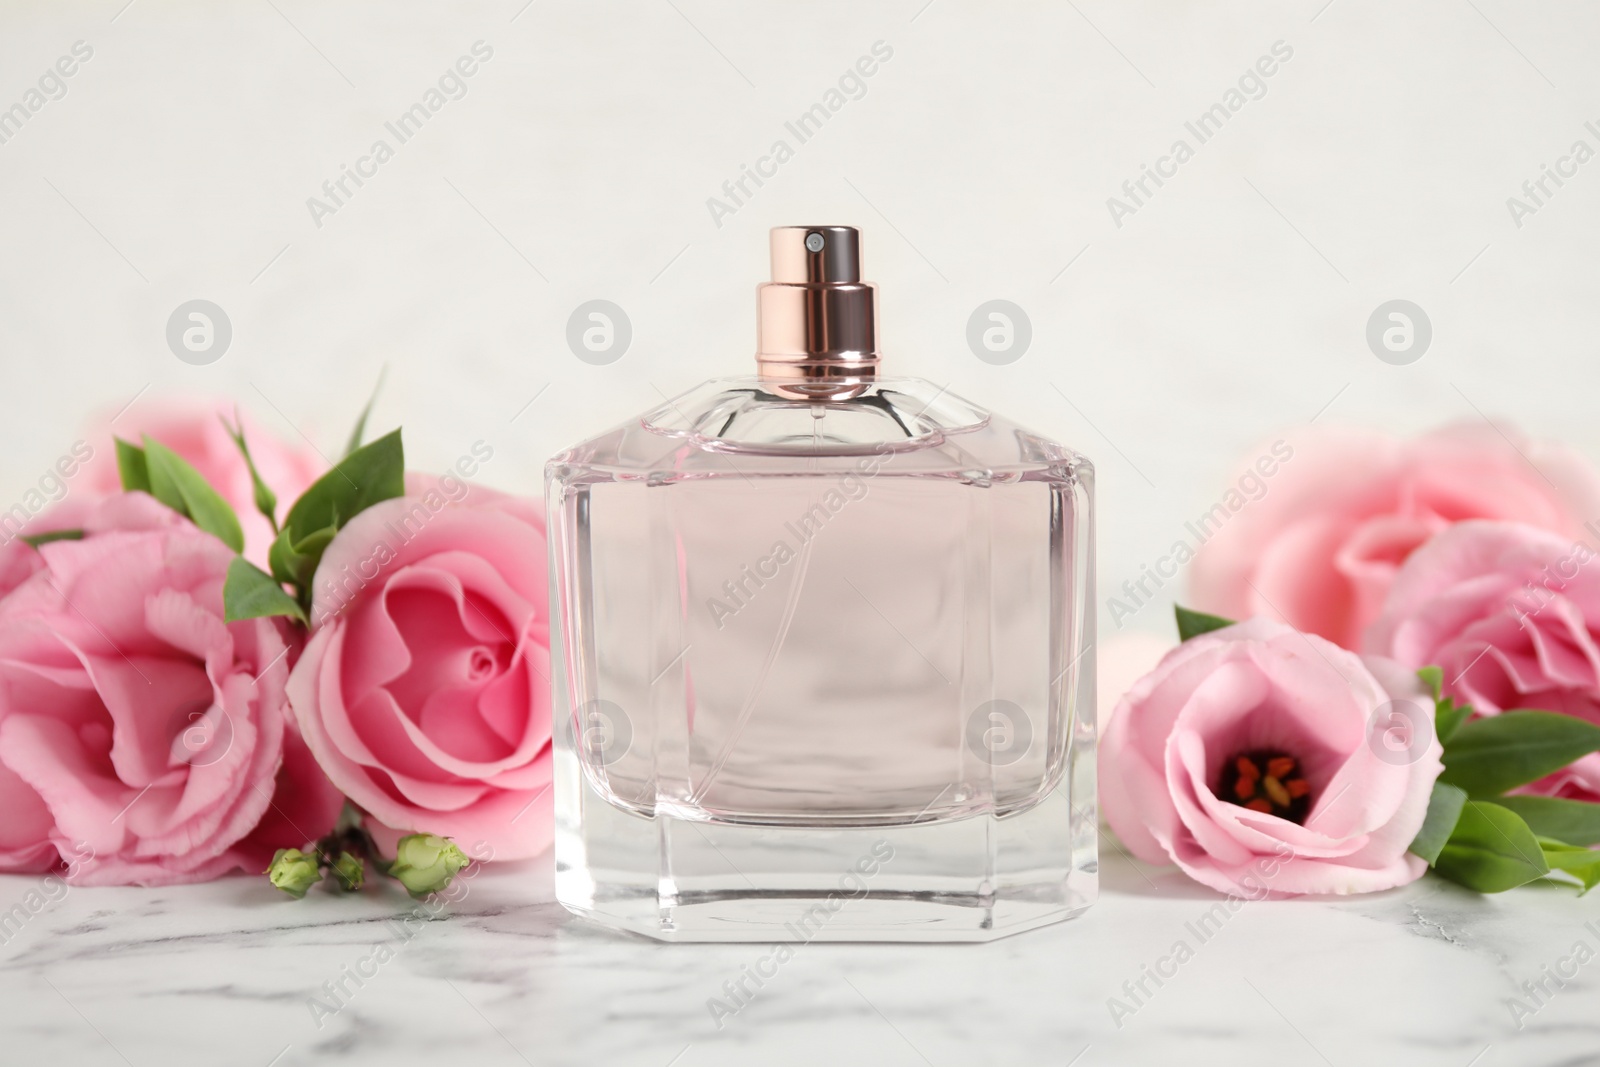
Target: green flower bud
(294,871)
(349,872)
(425,863)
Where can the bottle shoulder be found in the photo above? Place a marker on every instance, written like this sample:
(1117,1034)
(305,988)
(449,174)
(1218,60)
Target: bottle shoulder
(744,415)
(738,426)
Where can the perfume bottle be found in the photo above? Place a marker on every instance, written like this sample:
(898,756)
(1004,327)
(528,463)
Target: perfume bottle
(823,648)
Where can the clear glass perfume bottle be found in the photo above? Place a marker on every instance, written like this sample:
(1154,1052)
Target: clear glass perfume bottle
(823,647)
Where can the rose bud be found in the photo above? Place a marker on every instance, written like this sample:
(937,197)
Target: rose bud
(294,871)
(425,863)
(349,872)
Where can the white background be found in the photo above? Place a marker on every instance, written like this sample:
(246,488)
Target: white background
(978,164)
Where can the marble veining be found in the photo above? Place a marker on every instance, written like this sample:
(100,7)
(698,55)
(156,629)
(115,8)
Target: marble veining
(230,973)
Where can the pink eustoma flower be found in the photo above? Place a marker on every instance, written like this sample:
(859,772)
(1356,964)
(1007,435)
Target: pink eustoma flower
(1511,615)
(1262,761)
(141,736)
(1318,542)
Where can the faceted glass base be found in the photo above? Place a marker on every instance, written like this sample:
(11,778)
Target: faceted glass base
(972,879)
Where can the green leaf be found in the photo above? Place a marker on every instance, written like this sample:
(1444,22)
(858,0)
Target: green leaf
(164,481)
(1574,821)
(266,500)
(282,560)
(1444,811)
(370,474)
(251,593)
(295,562)
(1551,844)
(180,487)
(131,467)
(1491,850)
(360,427)
(1488,756)
(1195,623)
(54,535)
(1581,863)
(1448,717)
(1447,714)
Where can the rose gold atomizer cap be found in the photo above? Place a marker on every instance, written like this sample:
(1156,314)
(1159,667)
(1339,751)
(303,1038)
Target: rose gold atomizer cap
(816,321)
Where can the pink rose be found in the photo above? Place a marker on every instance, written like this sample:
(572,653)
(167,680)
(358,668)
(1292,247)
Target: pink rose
(305,804)
(26,846)
(424,688)
(18,559)
(193,429)
(1252,757)
(139,733)
(1511,615)
(1321,545)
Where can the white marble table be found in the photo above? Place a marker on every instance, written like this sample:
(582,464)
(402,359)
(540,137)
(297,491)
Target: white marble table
(224,974)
